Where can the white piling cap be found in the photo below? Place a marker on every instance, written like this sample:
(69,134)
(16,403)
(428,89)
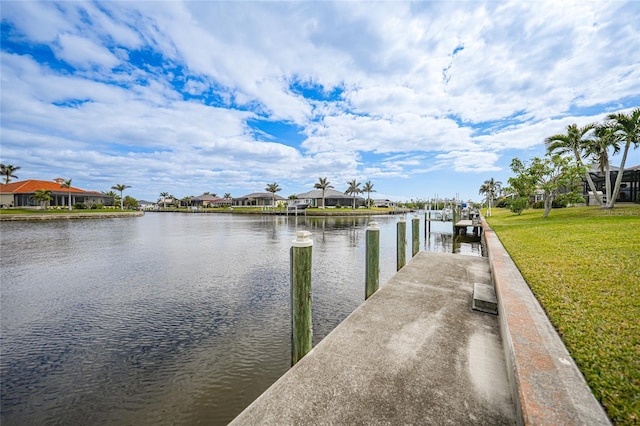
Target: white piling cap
(402,219)
(373,226)
(302,239)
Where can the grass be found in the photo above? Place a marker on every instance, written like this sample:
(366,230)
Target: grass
(583,265)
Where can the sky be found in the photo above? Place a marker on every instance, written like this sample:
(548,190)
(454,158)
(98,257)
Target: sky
(419,98)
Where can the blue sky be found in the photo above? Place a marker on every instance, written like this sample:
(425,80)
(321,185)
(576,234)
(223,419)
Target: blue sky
(419,98)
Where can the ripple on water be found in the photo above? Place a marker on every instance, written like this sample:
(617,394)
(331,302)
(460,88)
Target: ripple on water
(163,319)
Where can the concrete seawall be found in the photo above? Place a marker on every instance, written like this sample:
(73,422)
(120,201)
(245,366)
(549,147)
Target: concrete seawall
(546,385)
(67,216)
(413,353)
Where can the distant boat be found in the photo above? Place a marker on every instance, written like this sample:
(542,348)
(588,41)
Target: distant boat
(297,206)
(447,214)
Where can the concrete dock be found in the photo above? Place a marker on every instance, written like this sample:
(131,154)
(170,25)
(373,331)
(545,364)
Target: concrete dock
(413,353)
(417,353)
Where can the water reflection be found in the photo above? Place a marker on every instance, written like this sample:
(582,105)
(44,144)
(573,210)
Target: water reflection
(168,318)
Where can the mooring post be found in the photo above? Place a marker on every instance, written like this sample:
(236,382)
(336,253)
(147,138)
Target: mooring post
(301,326)
(415,235)
(401,244)
(454,220)
(373,259)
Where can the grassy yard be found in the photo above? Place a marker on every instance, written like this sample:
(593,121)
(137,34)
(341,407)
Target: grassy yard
(583,265)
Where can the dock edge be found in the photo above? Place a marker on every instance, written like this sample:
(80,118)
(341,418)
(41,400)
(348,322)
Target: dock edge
(546,385)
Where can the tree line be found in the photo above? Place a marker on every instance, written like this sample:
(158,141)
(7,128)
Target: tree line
(559,175)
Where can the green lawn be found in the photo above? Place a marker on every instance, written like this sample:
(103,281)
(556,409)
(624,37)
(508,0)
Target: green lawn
(583,265)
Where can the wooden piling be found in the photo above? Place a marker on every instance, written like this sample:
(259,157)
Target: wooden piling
(373,259)
(301,325)
(415,235)
(401,244)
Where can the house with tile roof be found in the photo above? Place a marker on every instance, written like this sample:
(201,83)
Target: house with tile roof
(257,199)
(208,200)
(332,198)
(18,194)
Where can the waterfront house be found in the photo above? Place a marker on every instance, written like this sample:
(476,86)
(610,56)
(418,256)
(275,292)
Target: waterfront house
(385,203)
(208,200)
(332,198)
(629,188)
(18,194)
(257,199)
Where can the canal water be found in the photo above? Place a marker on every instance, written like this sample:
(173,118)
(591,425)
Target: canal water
(170,318)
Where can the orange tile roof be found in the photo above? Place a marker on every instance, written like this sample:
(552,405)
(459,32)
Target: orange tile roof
(31,186)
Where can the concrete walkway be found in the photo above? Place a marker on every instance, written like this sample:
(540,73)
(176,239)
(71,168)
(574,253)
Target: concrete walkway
(414,353)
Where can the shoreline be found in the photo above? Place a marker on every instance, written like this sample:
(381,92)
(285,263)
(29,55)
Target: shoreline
(23,217)
(330,212)
(63,216)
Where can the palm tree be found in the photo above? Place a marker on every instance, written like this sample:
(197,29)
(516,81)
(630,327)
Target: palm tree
(490,188)
(273,188)
(7,171)
(42,196)
(67,184)
(164,196)
(574,142)
(628,127)
(324,185)
(121,187)
(353,189)
(227,195)
(598,149)
(368,188)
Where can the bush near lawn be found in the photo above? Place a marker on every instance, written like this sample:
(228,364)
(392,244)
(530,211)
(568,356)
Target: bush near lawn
(583,265)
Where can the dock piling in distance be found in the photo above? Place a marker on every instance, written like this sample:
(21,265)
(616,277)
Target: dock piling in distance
(301,325)
(401,243)
(373,259)
(415,235)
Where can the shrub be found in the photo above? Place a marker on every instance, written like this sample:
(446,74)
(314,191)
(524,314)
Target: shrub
(79,206)
(518,205)
(96,206)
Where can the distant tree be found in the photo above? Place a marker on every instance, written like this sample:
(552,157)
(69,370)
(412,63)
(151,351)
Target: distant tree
(368,188)
(163,197)
(273,188)
(575,142)
(120,188)
(490,188)
(187,200)
(67,184)
(130,202)
(227,195)
(353,189)
(628,127)
(42,196)
(323,184)
(550,175)
(7,170)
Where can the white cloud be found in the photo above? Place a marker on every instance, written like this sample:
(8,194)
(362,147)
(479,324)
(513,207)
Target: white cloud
(424,86)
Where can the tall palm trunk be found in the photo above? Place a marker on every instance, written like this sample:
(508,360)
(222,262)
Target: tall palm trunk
(616,188)
(592,186)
